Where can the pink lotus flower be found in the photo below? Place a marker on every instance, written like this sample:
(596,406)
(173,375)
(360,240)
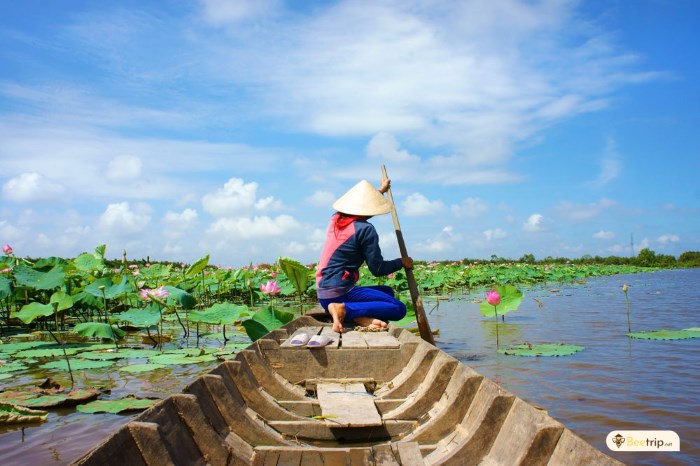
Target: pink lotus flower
(7,249)
(391,275)
(273,274)
(7,270)
(158,293)
(270,288)
(493,298)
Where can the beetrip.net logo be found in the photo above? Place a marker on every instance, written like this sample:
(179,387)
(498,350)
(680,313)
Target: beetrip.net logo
(643,440)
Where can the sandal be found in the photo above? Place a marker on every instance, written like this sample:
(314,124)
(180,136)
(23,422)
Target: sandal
(299,339)
(318,341)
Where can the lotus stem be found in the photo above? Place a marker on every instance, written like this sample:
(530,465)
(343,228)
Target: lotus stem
(495,313)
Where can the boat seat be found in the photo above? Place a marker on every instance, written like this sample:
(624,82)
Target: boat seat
(347,405)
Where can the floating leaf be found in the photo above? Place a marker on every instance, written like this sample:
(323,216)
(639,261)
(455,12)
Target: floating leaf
(117,406)
(97,329)
(297,273)
(12,367)
(13,414)
(141,367)
(76,364)
(667,334)
(179,359)
(543,349)
(52,352)
(123,353)
(63,400)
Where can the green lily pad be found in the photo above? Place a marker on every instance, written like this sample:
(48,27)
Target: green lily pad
(178,359)
(12,414)
(219,314)
(38,280)
(23,345)
(97,329)
(123,353)
(12,367)
(49,398)
(76,364)
(117,406)
(5,376)
(543,349)
(511,297)
(142,367)
(684,334)
(31,311)
(45,353)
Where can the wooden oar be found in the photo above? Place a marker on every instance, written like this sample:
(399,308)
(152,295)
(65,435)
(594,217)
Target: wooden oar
(423,325)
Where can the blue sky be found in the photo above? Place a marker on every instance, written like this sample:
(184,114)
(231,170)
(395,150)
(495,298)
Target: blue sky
(176,129)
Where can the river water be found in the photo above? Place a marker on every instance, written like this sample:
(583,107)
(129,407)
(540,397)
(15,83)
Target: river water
(616,383)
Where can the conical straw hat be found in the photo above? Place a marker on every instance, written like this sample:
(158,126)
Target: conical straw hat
(362,199)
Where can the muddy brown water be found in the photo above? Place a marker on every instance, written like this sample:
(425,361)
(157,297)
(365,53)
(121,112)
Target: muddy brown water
(616,383)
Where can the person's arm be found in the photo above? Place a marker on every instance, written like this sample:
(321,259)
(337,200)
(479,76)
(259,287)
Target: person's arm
(368,241)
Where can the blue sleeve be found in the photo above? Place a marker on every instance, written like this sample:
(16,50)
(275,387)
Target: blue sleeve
(368,240)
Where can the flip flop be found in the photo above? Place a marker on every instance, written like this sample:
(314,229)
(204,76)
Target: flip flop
(299,339)
(318,341)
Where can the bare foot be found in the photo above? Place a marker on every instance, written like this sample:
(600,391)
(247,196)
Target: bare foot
(337,312)
(371,322)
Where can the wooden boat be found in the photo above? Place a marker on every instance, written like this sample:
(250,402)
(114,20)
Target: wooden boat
(365,399)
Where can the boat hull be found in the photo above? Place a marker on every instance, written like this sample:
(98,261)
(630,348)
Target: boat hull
(366,398)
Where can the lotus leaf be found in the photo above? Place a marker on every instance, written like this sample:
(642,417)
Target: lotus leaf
(667,334)
(111,290)
(12,367)
(543,349)
(198,266)
(264,321)
(62,400)
(297,273)
(141,317)
(62,299)
(26,276)
(31,311)
(511,297)
(87,262)
(5,288)
(178,359)
(117,406)
(12,414)
(97,329)
(76,364)
(219,314)
(23,345)
(123,353)
(182,297)
(53,352)
(142,367)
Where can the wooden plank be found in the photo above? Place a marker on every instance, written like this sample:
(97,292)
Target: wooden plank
(384,455)
(353,340)
(409,453)
(380,340)
(347,405)
(307,330)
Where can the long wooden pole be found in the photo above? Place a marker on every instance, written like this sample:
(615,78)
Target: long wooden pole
(423,325)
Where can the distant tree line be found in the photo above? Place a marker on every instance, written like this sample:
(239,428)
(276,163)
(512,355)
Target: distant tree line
(645,258)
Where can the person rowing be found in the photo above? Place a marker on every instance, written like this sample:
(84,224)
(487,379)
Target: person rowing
(351,241)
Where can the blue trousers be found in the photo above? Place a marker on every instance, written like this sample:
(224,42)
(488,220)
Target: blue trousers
(377,302)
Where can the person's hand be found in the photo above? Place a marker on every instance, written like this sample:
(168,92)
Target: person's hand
(407,262)
(386,184)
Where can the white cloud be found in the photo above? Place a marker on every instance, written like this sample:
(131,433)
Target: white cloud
(384,146)
(582,212)
(321,198)
(32,186)
(256,227)
(124,168)
(668,238)
(610,165)
(533,223)
(9,232)
(180,220)
(602,234)
(494,233)
(235,197)
(227,12)
(416,205)
(120,218)
(470,207)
